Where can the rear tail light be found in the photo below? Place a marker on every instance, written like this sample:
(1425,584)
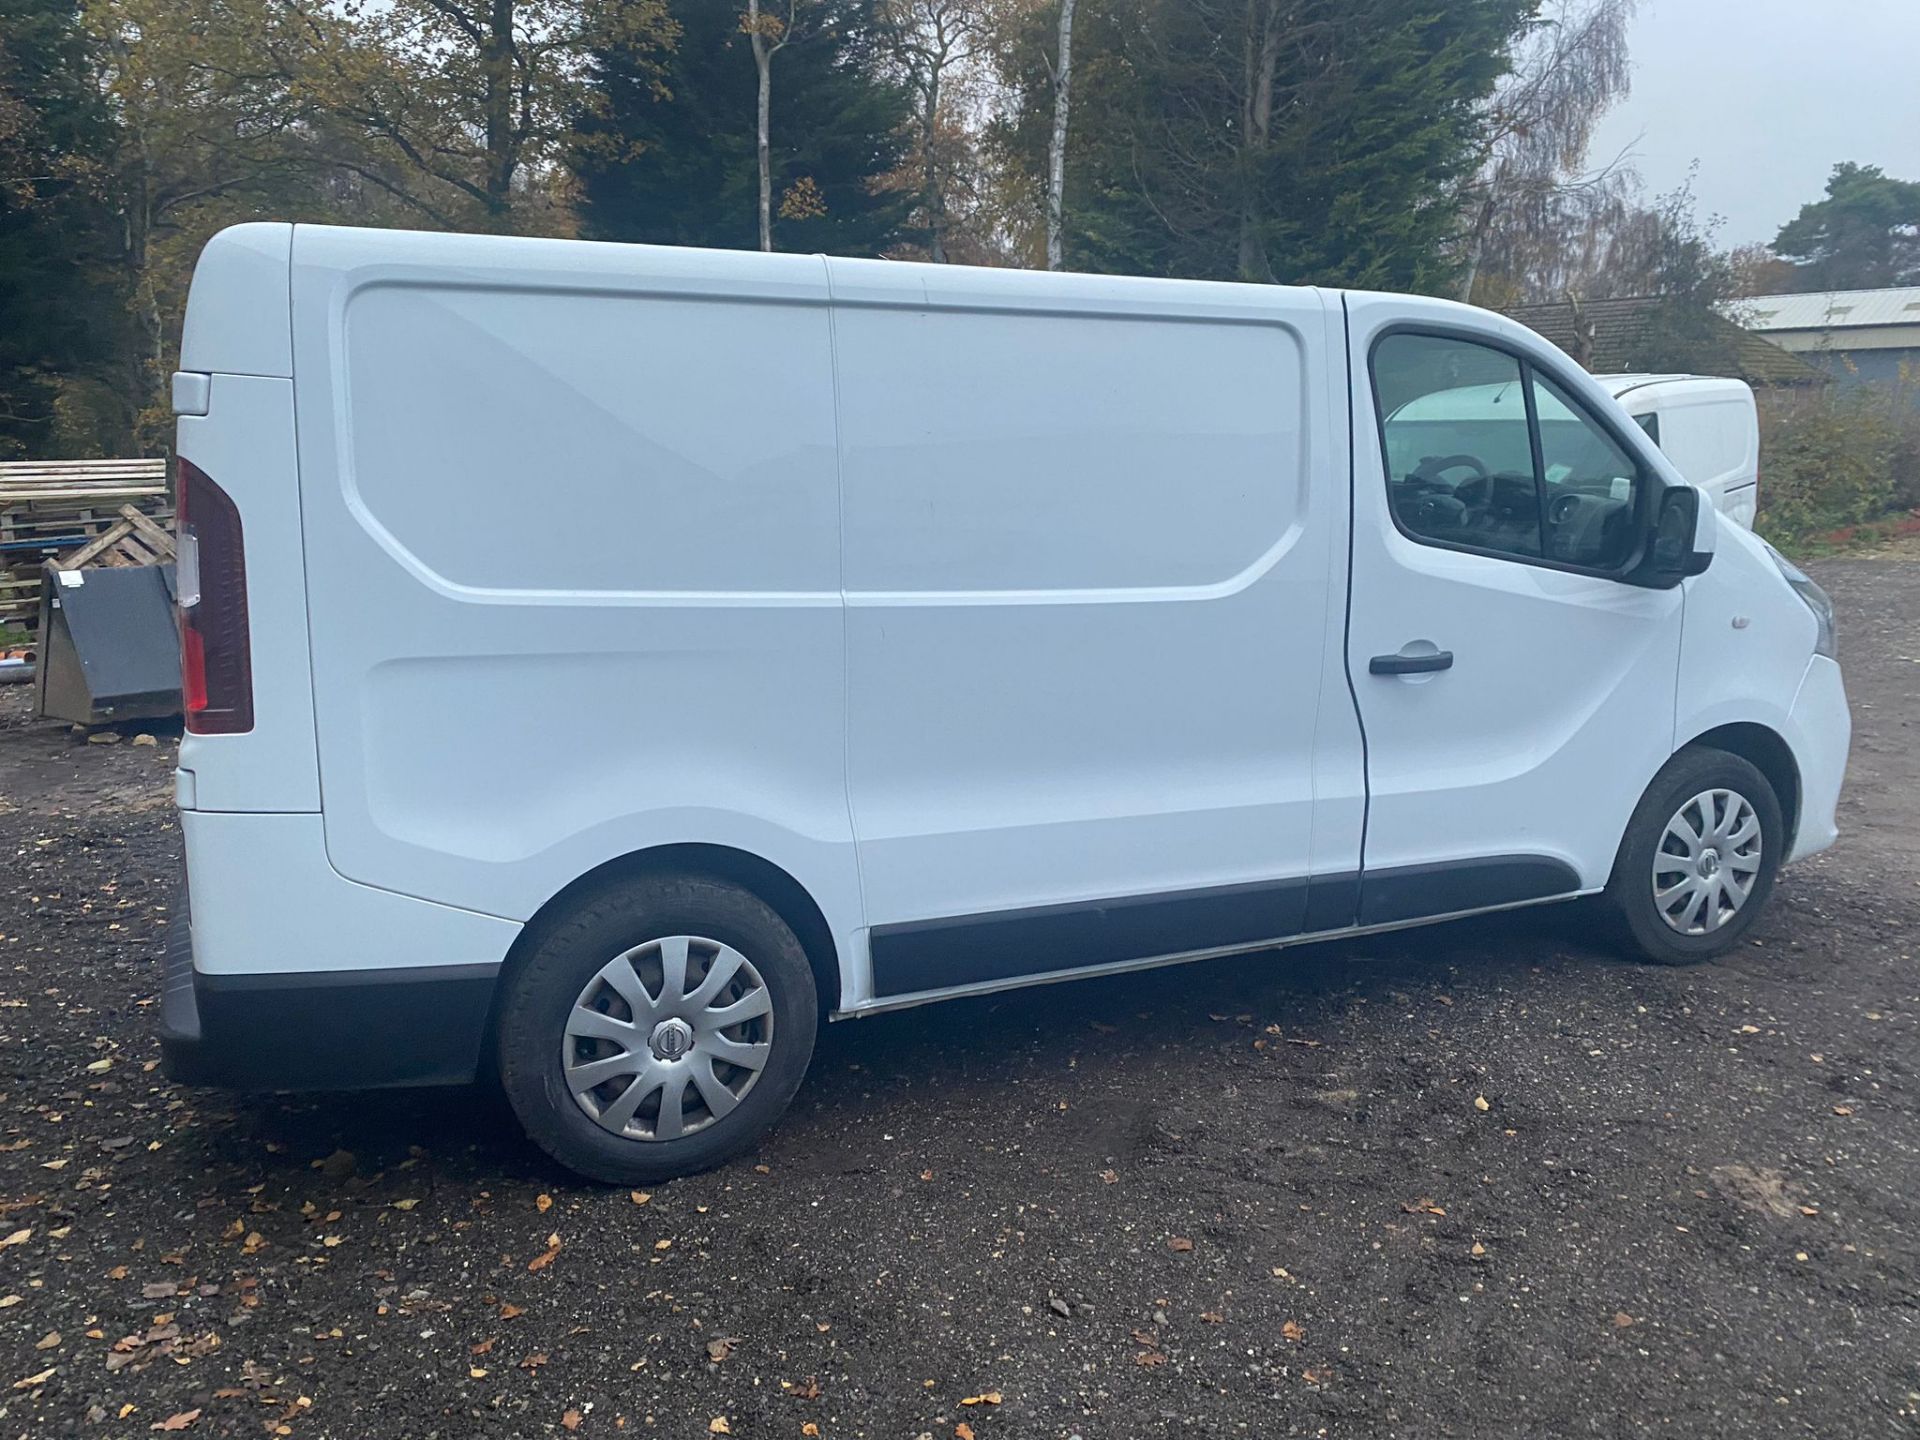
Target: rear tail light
(216,657)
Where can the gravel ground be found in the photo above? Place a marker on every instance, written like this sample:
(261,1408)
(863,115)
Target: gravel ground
(1482,1180)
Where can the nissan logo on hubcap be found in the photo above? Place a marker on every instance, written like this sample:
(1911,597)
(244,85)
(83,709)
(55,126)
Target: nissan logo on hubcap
(672,1039)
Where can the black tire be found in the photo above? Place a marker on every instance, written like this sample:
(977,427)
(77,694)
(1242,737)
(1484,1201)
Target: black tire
(539,996)
(1630,891)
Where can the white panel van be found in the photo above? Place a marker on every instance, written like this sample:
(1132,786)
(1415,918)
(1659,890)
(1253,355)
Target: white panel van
(604,662)
(1708,426)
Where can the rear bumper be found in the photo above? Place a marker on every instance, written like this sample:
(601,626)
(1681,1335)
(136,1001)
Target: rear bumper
(321,1030)
(283,975)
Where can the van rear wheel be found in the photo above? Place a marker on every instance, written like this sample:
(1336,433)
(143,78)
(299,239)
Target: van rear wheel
(1698,861)
(657,1029)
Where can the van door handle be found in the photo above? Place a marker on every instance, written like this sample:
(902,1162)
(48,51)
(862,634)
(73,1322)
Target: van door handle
(1410,664)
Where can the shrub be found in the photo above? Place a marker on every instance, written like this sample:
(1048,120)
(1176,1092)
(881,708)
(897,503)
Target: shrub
(1843,457)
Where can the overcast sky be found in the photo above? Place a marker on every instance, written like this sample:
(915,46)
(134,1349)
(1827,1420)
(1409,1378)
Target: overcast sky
(1768,95)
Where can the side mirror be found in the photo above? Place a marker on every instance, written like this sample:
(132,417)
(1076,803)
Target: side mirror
(1673,552)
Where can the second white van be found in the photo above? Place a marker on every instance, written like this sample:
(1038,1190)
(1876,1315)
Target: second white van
(1708,426)
(603,662)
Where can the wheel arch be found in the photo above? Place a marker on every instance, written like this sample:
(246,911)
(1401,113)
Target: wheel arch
(788,897)
(1768,752)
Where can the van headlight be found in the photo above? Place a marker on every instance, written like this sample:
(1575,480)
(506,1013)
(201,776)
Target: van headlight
(1817,601)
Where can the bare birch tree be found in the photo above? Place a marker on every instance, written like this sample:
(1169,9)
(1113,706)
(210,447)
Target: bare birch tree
(770,33)
(1568,69)
(1062,73)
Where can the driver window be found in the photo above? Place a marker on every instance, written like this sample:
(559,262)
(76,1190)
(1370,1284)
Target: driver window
(1459,452)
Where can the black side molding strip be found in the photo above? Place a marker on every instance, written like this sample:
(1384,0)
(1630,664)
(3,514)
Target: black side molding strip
(1413,892)
(938,954)
(968,949)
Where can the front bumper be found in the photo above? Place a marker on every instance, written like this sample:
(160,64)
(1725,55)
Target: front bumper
(1821,733)
(319,1030)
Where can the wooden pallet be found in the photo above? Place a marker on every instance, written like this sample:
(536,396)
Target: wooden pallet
(49,509)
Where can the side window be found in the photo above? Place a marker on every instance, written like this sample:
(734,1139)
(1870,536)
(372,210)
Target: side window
(1650,422)
(1459,451)
(1484,452)
(1588,483)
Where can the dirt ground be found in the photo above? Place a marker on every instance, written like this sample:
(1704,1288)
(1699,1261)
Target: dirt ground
(1477,1181)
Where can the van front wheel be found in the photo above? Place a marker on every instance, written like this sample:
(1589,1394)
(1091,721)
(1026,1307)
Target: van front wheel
(1698,861)
(657,1029)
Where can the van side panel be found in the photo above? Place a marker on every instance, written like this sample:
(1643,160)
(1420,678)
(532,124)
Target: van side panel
(1087,552)
(572,533)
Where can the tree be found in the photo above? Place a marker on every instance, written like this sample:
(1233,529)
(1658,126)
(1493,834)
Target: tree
(937,47)
(1296,140)
(1865,235)
(56,257)
(1567,68)
(667,153)
(466,104)
(1062,77)
(769,33)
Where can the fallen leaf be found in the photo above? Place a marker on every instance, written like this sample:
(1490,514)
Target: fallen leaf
(718,1426)
(405,1204)
(810,1390)
(476,1372)
(1107,1177)
(1422,1206)
(546,1257)
(253,1244)
(482,1348)
(639,1197)
(7,1302)
(534,1361)
(48,1341)
(571,1420)
(985,1397)
(18,1237)
(1843,1110)
(100,1067)
(176,1422)
(809,1428)
(1478,1250)
(543,1203)
(1179,1244)
(158,1290)
(1621,1319)
(963,1431)
(53,1164)
(33,1380)
(1480,1102)
(663,1244)
(1212,1317)
(718,1350)
(926,1174)
(507,1312)
(1293,1330)
(1148,1358)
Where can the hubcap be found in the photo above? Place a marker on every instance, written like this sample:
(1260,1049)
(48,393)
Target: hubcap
(667,1038)
(1707,861)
